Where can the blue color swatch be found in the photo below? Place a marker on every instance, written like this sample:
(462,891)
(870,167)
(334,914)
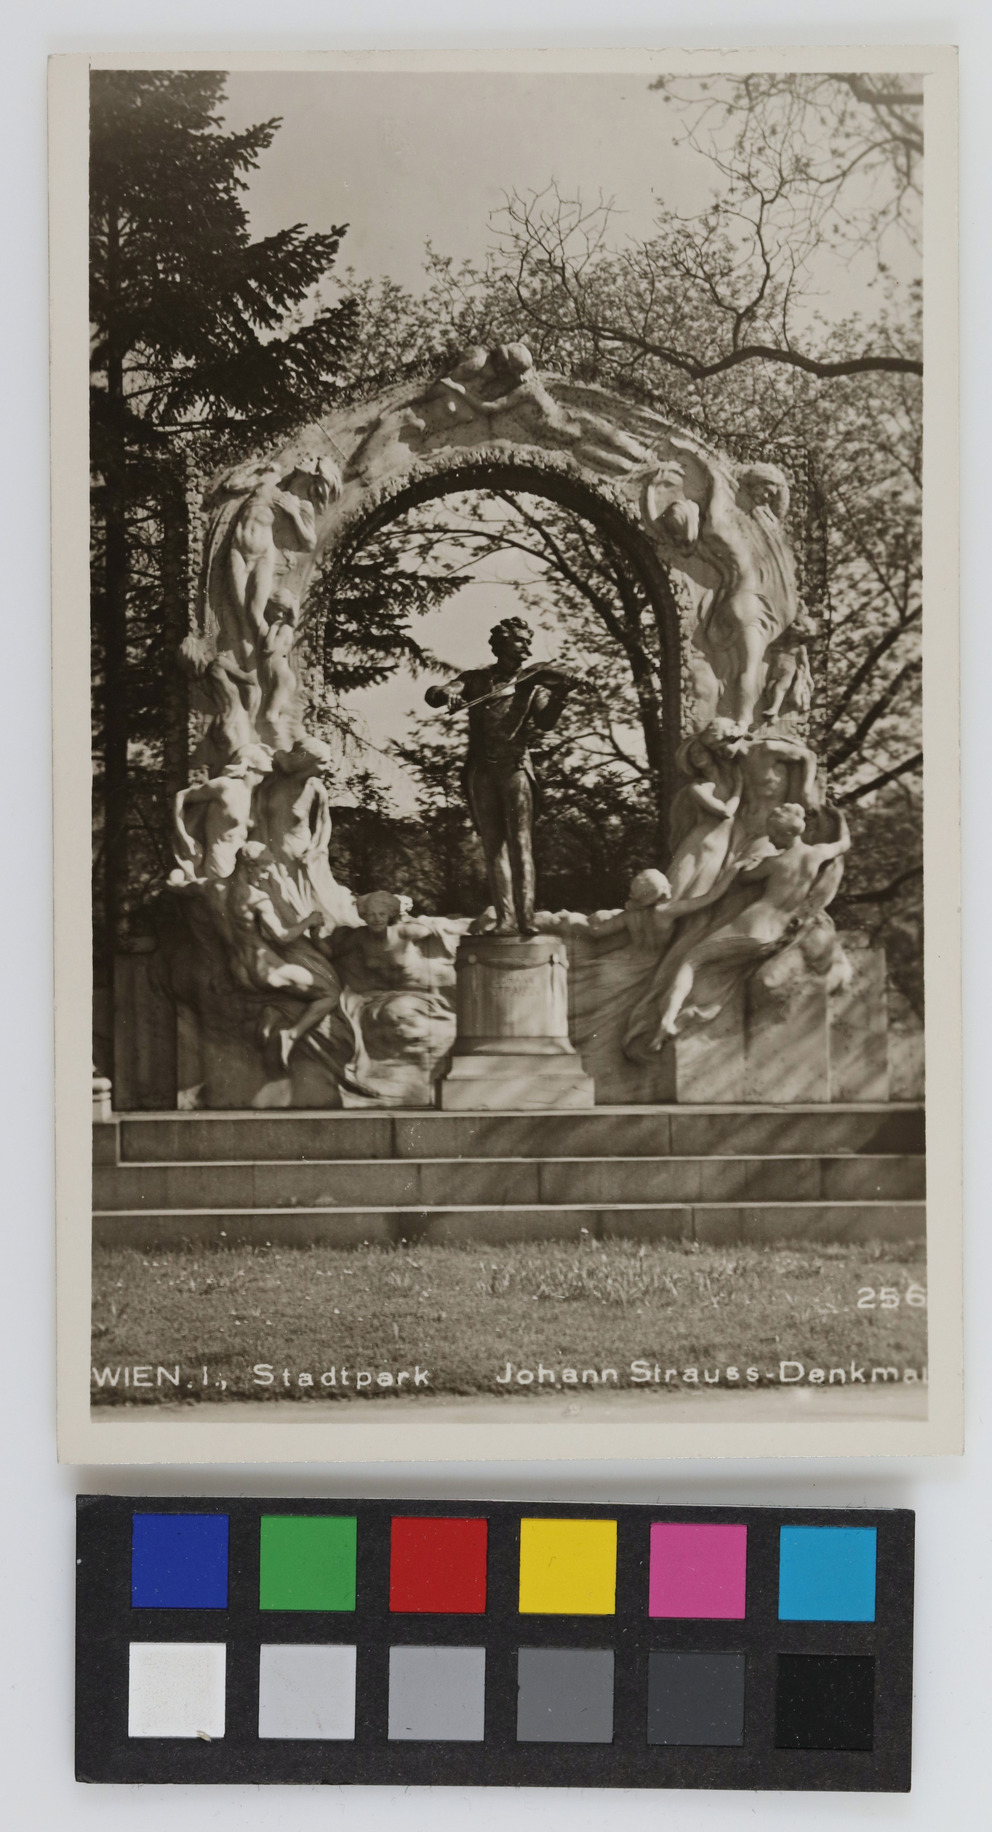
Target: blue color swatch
(179,1561)
(826,1574)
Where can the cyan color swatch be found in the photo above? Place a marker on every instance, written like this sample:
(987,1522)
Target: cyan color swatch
(826,1574)
(179,1561)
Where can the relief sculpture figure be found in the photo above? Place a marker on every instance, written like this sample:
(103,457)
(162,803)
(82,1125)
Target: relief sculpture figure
(262,539)
(703,810)
(399,975)
(738,529)
(272,951)
(294,818)
(787,876)
(279,517)
(212,819)
(788,677)
(497,392)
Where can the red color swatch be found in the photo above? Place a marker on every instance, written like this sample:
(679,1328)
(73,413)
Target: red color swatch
(438,1567)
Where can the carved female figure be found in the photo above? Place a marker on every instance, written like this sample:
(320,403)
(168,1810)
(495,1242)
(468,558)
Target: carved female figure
(273,955)
(703,810)
(788,876)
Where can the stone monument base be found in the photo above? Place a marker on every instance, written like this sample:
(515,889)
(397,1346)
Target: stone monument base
(512,1048)
(494,1083)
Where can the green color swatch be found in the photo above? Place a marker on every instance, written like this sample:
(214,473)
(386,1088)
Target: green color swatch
(307,1562)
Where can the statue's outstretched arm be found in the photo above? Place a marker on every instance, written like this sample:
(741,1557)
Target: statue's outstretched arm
(186,845)
(833,849)
(452,695)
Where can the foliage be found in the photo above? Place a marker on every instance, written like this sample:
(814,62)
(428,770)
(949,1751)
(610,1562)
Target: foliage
(366,612)
(181,298)
(194,326)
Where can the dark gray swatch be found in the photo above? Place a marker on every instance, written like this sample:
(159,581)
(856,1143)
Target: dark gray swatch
(565,1695)
(695,1698)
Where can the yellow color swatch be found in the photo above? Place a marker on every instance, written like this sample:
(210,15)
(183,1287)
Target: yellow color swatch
(568,1567)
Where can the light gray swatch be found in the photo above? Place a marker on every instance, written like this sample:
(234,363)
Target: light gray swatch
(437,1694)
(306,1691)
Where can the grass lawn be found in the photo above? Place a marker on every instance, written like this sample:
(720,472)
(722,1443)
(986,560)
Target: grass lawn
(463,1313)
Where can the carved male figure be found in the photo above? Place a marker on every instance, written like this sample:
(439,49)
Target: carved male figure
(279,516)
(212,818)
(506,704)
(739,530)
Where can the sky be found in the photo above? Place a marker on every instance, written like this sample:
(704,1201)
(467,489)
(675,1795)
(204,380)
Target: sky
(402,157)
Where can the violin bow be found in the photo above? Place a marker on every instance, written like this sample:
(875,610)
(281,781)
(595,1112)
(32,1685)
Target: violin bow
(502,693)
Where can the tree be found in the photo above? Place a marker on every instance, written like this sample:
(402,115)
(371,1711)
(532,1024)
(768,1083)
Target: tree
(195,327)
(813,170)
(788,310)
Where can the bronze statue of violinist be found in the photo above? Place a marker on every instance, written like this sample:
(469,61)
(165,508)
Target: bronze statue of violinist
(505,705)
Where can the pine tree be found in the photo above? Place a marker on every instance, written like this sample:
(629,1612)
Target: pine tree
(194,326)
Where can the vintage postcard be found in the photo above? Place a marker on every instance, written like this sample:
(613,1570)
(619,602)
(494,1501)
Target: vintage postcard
(506,722)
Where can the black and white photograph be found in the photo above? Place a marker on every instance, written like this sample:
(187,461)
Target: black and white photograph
(518,642)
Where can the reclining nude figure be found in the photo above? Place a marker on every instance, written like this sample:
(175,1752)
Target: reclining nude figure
(788,876)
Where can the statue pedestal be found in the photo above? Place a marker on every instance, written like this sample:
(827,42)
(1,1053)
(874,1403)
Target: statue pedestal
(512,1048)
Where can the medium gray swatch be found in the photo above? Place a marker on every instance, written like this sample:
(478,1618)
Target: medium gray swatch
(565,1695)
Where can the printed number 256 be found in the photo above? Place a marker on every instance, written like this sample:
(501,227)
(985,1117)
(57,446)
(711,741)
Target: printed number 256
(888,1298)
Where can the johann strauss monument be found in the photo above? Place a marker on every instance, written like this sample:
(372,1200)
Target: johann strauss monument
(722,978)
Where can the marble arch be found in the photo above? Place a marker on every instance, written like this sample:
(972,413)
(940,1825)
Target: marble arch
(710,537)
(295,993)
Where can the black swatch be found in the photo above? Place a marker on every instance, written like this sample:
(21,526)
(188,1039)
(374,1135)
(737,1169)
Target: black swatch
(825,1701)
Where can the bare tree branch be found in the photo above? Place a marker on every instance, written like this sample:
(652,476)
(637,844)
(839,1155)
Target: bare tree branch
(879,782)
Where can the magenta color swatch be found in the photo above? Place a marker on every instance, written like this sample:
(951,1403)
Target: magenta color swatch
(697,1570)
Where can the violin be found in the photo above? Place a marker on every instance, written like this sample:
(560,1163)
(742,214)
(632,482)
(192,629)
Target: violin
(539,674)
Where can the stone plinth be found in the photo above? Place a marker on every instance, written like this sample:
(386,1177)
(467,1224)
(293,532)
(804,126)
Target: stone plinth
(859,1026)
(786,1032)
(512,1048)
(144,1071)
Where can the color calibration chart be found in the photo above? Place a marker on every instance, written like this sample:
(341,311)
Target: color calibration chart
(492,1644)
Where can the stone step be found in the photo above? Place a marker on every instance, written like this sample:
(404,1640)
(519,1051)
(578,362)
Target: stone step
(430,1183)
(718,1224)
(603,1132)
